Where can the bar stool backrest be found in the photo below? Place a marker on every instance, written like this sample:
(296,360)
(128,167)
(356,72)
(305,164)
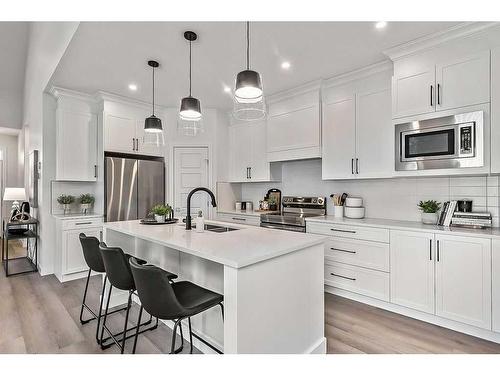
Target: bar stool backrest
(117,267)
(91,253)
(155,291)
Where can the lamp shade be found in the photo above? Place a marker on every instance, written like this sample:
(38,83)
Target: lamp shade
(14,194)
(190,109)
(153,125)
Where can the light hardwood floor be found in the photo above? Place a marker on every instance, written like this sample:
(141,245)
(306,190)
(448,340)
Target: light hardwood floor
(41,315)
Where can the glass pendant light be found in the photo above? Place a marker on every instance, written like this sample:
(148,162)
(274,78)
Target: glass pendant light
(190,119)
(249,101)
(153,129)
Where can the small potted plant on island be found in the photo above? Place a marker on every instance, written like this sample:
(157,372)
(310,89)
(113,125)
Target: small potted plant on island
(65,201)
(429,211)
(160,211)
(86,202)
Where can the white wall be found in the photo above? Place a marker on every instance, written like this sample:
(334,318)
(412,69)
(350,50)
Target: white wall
(8,144)
(47,43)
(383,198)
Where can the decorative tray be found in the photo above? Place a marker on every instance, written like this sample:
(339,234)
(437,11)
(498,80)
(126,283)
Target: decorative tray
(154,222)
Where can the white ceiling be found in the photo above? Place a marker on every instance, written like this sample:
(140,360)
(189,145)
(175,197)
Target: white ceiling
(13,50)
(110,55)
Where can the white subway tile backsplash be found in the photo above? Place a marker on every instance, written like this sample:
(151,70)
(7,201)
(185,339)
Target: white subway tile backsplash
(468,181)
(492,180)
(463,192)
(492,191)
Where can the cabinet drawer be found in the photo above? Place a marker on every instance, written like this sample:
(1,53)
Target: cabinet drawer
(82,223)
(240,219)
(360,280)
(368,254)
(350,231)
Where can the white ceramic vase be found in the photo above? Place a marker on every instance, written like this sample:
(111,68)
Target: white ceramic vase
(429,218)
(85,208)
(160,218)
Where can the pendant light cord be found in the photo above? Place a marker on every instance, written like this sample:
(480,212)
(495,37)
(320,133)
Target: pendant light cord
(189,68)
(153,91)
(248,45)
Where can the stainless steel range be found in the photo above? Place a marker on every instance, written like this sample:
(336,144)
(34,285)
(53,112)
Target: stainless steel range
(293,214)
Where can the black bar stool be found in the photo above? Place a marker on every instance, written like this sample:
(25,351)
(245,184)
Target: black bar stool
(176,301)
(93,258)
(117,266)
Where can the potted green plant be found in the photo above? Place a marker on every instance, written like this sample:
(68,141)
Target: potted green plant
(273,203)
(86,202)
(65,201)
(160,211)
(429,210)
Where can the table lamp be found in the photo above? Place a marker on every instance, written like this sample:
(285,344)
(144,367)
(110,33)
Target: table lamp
(14,194)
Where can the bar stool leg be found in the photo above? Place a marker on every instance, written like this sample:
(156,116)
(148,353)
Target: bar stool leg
(84,298)
(190,336)
(137,330)
(174,335)
(100,310)
(129,301)
(105,315)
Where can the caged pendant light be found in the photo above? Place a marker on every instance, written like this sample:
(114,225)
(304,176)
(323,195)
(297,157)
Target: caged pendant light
(249,101)
(190,118)
(153,129)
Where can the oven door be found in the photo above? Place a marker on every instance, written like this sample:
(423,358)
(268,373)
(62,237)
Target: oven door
(293,228)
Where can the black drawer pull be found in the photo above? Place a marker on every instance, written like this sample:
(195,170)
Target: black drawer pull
(239,218)
(342,230)
(344,277)
(87,222)
(345,251)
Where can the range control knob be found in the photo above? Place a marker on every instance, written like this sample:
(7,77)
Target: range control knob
(320,200)
(314,200)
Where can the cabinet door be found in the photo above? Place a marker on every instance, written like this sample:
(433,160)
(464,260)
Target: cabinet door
(76,146)
(141,148)
(339,135)
(260,169)
(73,260)
(412,270)
(119,134)
(463,279)
(240,154)
(413,91)
(495,284)
(495,110)
(462,82)
(374,134)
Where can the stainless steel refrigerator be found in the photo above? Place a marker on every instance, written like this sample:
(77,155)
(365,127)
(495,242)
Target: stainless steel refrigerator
(132,186)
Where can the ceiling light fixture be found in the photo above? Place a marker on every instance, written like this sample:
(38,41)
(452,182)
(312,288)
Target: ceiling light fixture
(153,129)
(285,65)
(380,24)
(190,113)
(248,93)
(132,87)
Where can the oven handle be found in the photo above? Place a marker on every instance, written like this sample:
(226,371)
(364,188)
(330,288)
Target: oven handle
(293,228)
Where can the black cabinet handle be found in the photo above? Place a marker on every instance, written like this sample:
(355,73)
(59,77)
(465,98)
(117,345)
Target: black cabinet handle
(344,277)
(430,249)
(352,166)
(432,90)
(437,250)
(344,251)
(439,94)
(95,171)
(133,144)
(342,230)
(357,166)
(84,223)
(239,218)
(250,172)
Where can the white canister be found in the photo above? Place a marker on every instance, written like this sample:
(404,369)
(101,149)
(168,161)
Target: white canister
(338,211)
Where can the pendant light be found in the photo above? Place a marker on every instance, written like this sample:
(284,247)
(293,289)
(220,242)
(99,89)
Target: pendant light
(153,129)
(190,119)
(249,101)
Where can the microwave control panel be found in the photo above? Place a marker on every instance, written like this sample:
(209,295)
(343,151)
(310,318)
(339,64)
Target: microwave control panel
(466,140)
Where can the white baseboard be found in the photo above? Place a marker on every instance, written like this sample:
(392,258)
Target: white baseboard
(429,318)
(318,348)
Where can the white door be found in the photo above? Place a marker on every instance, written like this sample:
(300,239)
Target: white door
(190,171)
(495,284)
(339,139)
(259,167)
(141,148)
(462,82)
(413,91)
(76,146)
(240,146)
(412,270)
(119,134)
(463,279)
(73,260)
(374,134)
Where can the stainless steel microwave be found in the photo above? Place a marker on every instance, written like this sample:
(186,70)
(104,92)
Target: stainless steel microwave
(440,143)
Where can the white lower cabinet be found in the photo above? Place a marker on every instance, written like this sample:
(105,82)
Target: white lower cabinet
(412,270)
(239,219)
(495,284)
(463,279)
(70,263)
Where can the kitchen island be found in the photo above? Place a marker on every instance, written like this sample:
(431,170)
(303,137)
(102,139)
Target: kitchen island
(272,282)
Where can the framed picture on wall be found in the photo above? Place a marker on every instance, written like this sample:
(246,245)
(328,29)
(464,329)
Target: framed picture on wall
(33,178)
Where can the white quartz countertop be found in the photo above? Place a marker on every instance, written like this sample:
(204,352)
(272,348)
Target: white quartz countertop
(237,249)
(76,216)
(408,225)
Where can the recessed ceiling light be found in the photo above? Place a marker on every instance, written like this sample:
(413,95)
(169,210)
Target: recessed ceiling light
(285,65)
(227,89)
(380,24)
(132,87)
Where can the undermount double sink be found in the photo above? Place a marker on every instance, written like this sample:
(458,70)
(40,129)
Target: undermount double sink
(217,228)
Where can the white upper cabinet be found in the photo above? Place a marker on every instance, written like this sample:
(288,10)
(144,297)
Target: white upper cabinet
(495,110)
(293,125)
(357,126)
(76,135)
(412,270)
(424,84)
(463,279)
(247,153)
(413,90)
(119,133)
